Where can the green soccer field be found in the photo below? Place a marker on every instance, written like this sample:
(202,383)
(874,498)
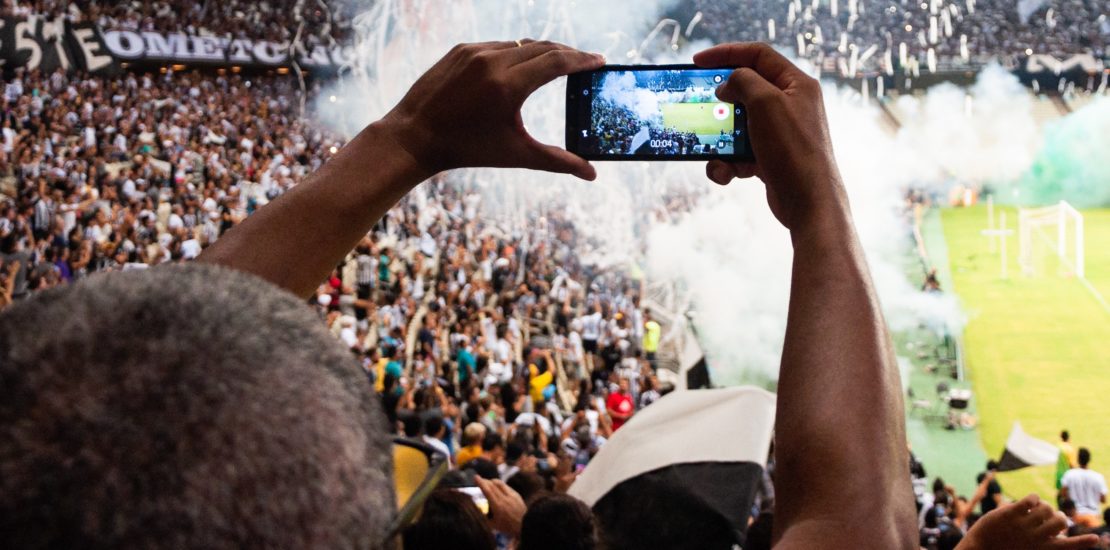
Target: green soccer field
(1037,348)
(694,117)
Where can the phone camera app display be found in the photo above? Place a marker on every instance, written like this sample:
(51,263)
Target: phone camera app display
(660,113)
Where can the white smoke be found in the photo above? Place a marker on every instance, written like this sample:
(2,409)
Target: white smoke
(620,89)
(729,254)
(987,133)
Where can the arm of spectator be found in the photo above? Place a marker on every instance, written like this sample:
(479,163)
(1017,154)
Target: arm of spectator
(506,508)
(1028,524)
(832,444)
(465,111)
(963,511)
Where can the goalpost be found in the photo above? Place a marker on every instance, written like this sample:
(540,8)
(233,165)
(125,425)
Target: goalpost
(1035,230)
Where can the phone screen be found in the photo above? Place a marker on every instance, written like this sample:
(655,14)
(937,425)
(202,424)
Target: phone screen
(478,497)
(661,112)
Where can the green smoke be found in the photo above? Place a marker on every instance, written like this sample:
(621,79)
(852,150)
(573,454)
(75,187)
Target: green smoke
(1072,163)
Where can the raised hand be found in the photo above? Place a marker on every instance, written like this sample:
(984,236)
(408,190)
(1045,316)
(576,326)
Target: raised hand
(465,111)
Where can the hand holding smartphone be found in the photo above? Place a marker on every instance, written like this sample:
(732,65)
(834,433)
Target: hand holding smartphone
(654,112)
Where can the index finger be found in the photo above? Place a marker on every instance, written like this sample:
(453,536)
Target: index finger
(761,57)
(552,64)
(485,486)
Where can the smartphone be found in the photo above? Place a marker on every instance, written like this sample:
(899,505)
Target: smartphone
(478,497)
(654,112)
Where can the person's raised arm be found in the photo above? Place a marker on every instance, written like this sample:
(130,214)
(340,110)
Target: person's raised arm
(465,111)
(842,469)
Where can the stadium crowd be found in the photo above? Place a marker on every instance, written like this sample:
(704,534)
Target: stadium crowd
(274,20)
(616,128)
(958,32)
(496,344)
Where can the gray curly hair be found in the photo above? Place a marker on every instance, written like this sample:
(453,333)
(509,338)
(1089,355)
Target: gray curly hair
(186,406)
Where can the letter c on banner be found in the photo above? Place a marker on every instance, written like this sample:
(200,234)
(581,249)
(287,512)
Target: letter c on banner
(125,44)
(269,53)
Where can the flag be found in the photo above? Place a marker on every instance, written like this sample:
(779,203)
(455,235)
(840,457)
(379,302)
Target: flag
(1026,9)
(639,139)
(683,470)
(1023,450)
(691,363)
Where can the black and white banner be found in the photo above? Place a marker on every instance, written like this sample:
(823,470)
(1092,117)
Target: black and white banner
(50,44)
(1023,450)
(182,48)
(692,460)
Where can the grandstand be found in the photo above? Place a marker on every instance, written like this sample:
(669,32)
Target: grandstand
(125,148)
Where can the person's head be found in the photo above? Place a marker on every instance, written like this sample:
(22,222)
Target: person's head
(938,486)
(1067,506)
(1065,436)
(152,409)
(992,466)
(473,434)
(433,426)
(667,514)
(449,520)
(493,447)
(410,423)
(483,468)
(527,484)
(558,522)
(623,385)
(1084,457)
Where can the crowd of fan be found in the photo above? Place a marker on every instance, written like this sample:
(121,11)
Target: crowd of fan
(103,174)
(944,516)
(274,20)
(614,130)
(494,343)
(990,29)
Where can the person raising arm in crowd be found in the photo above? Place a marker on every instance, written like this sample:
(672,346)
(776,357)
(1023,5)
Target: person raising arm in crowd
(832,445)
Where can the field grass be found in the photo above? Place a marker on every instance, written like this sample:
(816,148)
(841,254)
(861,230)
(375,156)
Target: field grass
(695,117)
(1038,348)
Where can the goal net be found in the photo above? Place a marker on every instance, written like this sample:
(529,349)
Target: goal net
(1051,240)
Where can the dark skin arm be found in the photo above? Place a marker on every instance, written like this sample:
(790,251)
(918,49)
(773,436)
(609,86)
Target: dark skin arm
(295,241)
(839,429)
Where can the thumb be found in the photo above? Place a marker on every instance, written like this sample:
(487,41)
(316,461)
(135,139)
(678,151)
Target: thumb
(747,87)
(1082,542)
(540,156)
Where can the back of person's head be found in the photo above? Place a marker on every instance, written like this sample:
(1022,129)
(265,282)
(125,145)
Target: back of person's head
(1106,517)
(558,522)
(992,466)
(185,406)
(938,486)
(410,423)
(1065,436)
(432,425)
(527,484)
(483,468)
(658,513)
(1067,506)
(473,433)
(492,441)
(1084,457)
(449,520)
